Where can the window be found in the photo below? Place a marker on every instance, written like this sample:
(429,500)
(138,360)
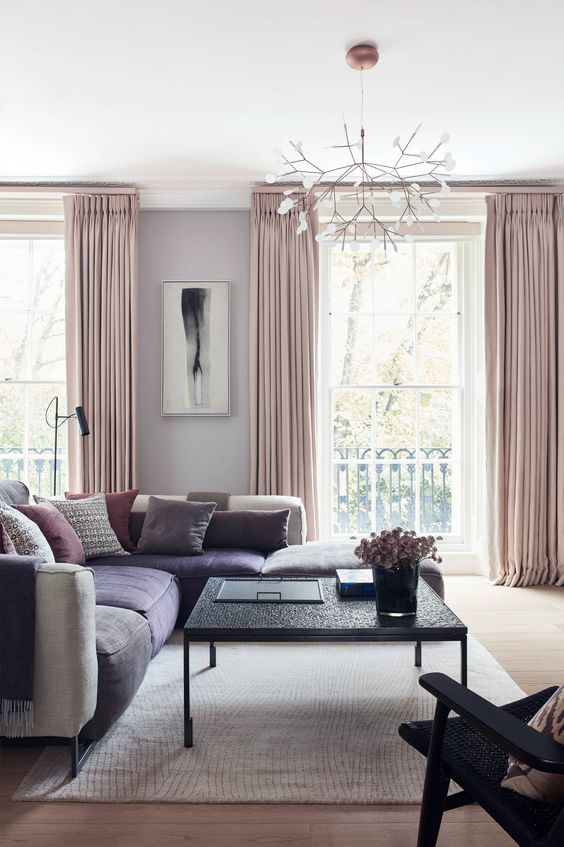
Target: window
(32,358)
(393,389)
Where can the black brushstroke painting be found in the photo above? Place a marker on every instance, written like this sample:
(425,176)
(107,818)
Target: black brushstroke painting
(195,315)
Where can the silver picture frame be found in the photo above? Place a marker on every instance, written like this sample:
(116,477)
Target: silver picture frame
(195,348)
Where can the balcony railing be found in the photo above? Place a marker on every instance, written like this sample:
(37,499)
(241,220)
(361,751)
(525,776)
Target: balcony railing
(380,491)
(39,472)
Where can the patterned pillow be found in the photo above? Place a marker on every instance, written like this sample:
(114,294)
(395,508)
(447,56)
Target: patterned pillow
(89,519)
(546,787)
(25,536)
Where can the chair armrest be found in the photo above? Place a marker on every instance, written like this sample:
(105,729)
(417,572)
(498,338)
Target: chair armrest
(518,739)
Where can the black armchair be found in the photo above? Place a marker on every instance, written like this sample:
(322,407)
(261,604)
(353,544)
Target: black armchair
(472,750)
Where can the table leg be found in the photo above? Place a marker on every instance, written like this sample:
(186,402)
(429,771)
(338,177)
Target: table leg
(418,654)
(188,736)
(464,660)
(212,655)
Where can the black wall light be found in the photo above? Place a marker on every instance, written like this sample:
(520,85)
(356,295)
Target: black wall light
(59,420)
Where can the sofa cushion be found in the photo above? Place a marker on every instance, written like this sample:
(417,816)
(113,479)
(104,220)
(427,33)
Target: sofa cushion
(118,504)
(61,537)
(123,647)
(249,530)
(174,528)
(13,492)
(152,593)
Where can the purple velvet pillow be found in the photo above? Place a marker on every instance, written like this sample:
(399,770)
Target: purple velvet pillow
(61,537)
(263,531)
(119,505)
(174,527)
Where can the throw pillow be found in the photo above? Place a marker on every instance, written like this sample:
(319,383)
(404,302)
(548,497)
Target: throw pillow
(174,527)
(25,535)
(250,530)
(118,504)
(62,539)
(89,519)
(525,780)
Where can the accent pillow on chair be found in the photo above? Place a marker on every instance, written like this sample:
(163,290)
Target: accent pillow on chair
(119,505)
(249,529)
(174,527)
(24,535)
(525,780)
(89,519)
(61,537)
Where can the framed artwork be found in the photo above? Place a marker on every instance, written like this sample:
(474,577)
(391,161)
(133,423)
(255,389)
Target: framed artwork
(195,348)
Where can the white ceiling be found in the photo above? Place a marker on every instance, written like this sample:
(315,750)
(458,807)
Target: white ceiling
(199,93)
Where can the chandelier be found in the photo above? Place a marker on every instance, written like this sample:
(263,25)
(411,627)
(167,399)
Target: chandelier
(362,182)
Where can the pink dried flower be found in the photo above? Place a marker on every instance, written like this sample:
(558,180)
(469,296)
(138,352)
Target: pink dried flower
(397,548)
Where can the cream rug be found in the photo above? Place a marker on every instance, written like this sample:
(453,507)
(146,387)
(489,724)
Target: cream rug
(273,723)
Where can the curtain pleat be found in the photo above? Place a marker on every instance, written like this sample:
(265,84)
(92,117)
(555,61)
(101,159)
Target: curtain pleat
(101,328)
(524,309)
(284,306)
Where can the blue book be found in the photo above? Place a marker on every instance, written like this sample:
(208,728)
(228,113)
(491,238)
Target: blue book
(355,583)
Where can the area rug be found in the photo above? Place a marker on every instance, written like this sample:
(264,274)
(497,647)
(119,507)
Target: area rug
(273,723)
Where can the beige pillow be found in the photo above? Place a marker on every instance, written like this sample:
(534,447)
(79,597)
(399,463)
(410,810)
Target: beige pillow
(546,787)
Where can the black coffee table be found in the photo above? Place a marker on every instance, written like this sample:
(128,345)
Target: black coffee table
(337,619)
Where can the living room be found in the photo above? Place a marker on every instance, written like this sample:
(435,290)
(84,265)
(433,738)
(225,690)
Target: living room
(281,424)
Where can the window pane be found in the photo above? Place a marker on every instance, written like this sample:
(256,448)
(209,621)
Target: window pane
(435,491)
(394,350)
(41,438)
(352,497)
(393,280)
(14,273)
(350,280)
(351,345)
(395,424)
(436,423)
(48,274)
(352,423)
(394,485)
(436,268)
(14,347)
(11,432)
(48,345)
(436,350)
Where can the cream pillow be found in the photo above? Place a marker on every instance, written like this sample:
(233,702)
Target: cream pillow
(546,787)
(89,519)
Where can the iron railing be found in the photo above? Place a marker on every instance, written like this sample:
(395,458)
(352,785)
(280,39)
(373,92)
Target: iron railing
(379,491)
(40,465)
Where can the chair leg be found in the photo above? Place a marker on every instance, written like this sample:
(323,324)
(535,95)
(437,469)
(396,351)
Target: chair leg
(436,783)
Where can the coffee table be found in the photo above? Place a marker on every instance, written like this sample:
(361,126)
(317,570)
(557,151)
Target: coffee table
(337,619)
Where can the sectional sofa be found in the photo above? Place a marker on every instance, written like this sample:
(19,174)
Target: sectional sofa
(97,627)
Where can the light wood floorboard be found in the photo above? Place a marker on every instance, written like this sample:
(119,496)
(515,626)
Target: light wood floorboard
(523,628)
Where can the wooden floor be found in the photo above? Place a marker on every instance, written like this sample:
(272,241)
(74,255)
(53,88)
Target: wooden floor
(523,628)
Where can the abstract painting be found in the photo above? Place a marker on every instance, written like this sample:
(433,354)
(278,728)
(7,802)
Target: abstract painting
(195,348)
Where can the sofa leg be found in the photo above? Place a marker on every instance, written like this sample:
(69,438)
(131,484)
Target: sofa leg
(212,654)
(77,758)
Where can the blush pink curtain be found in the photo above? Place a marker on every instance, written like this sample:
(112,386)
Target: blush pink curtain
(284,306)
(524,314)
(101,329)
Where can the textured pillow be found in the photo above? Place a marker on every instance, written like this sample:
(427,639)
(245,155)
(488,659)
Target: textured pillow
(174,527)
(25,535)
(61,537)
(119,505)
(89,519)
(546,787)
(249,530)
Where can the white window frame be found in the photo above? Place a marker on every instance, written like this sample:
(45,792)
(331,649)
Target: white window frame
(470,307)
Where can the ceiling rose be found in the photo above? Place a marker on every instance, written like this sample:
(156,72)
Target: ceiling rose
(362,182)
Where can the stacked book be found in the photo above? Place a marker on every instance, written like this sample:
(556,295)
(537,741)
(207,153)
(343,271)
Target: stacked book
(355,583)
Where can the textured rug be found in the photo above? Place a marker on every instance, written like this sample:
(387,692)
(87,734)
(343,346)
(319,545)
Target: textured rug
(273,723)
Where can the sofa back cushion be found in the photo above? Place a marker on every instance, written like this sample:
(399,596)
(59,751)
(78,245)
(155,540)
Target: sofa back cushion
(249,530)
(13,492)
(173,528)
(61,537)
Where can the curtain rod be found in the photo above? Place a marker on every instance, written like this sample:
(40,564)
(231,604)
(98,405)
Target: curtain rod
(38,188)
(474,188)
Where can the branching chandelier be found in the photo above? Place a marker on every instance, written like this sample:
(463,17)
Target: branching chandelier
(362,182)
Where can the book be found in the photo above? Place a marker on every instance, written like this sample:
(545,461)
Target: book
(355,583)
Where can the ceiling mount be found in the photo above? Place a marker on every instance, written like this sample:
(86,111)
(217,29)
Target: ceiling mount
(362,57)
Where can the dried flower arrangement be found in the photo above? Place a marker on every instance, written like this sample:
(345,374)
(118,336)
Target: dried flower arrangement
(397,548)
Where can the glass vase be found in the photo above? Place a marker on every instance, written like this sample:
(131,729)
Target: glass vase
(396,590)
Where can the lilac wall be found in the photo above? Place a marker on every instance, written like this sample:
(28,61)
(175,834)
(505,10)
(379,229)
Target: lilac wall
(179,454)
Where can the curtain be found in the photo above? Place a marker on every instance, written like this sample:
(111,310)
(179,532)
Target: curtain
(284,305)
(524,317)
(101,332)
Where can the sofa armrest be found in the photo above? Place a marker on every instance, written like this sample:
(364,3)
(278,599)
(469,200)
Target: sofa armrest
(65,668)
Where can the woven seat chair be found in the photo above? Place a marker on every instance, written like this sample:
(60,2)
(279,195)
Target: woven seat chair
(472,750)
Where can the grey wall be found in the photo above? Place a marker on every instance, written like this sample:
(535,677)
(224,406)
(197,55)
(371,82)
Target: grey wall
(181,454)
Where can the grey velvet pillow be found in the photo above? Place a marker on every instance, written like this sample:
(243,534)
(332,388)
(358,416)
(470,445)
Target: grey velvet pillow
(174,527)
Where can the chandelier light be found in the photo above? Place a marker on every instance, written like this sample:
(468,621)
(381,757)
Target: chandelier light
(362,182)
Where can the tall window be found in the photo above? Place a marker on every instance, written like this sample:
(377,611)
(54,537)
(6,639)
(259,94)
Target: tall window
(394,387)
(32,358)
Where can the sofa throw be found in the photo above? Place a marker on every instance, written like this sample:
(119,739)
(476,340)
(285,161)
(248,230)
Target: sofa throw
(25,536)
(174,527)
(89,519)
(17,639)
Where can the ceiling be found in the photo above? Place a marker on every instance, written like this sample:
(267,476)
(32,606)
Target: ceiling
(198,94)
